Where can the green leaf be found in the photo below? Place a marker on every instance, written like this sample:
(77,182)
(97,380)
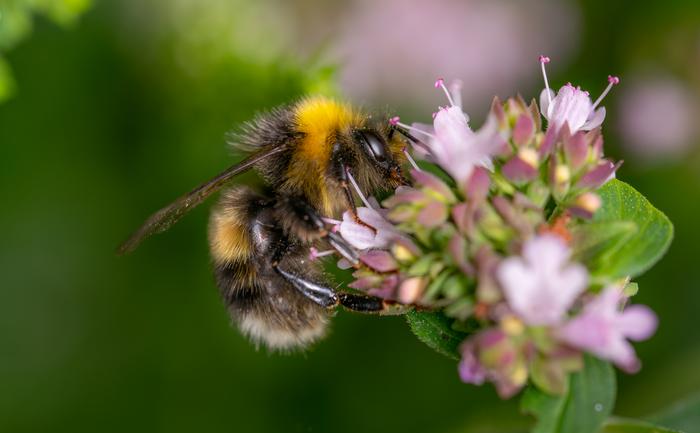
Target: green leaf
(624,425)
(596,241)
(435,330)
(7,82)
(683,415)
(627,235)
(582,409)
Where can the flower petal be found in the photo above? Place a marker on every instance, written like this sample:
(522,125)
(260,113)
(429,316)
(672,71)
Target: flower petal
(524,130)
(358,235)
(595,120)
(637,322)
(544,101)
(434,214)
(434,183)
(379,260)
(599,175)
(517,170)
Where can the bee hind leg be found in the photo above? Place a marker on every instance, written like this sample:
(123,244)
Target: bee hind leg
(330,298)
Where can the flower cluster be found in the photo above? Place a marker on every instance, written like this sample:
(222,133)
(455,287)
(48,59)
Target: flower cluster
(485,236)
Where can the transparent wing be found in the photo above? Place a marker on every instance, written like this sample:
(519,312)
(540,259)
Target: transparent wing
(169,215)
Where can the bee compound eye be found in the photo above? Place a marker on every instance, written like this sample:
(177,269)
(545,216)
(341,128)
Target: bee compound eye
(374,145)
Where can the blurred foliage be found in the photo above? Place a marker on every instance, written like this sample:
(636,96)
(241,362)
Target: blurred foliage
(16,24)
(682,415)
(113,119)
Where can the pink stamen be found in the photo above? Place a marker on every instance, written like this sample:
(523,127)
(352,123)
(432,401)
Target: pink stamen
(543,61)
(410,159)
(612,80)
(441,83)
(357,189)
(394,120)
(314,254)
(412,129)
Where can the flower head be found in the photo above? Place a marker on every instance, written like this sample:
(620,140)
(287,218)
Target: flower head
(603,328)
(572,106)
(542,285)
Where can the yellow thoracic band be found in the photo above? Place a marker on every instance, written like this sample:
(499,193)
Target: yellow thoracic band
(318,118)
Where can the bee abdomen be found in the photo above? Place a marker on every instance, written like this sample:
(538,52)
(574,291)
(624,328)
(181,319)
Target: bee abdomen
(266,308)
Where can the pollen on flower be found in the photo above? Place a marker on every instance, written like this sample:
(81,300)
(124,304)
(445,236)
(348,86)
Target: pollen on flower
(513,326)
(562,174)
(394,121)
(544,59)
(589,201)
(529,156)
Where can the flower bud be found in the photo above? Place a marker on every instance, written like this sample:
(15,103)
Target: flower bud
(562,174)
(523,167)
(586,205)
(561,177)
(402,253)
(411,290)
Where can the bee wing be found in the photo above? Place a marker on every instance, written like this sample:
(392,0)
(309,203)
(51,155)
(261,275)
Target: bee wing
(169,215)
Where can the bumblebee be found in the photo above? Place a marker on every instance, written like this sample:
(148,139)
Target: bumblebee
(310,154)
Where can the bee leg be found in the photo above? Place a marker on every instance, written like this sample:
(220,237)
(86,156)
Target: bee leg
(371,304)
(313,227)
(329,298)
(341,172)
(343,248)
(409,136)
(322,295)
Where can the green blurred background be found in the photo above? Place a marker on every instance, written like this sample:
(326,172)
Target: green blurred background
(111,109)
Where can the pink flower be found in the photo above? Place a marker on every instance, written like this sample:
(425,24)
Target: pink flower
(458,149)
(494,356)
(363,237)
(470,369)
(541,286)
(572,105)
(603,329)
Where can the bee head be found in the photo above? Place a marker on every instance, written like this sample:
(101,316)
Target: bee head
(380,158)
